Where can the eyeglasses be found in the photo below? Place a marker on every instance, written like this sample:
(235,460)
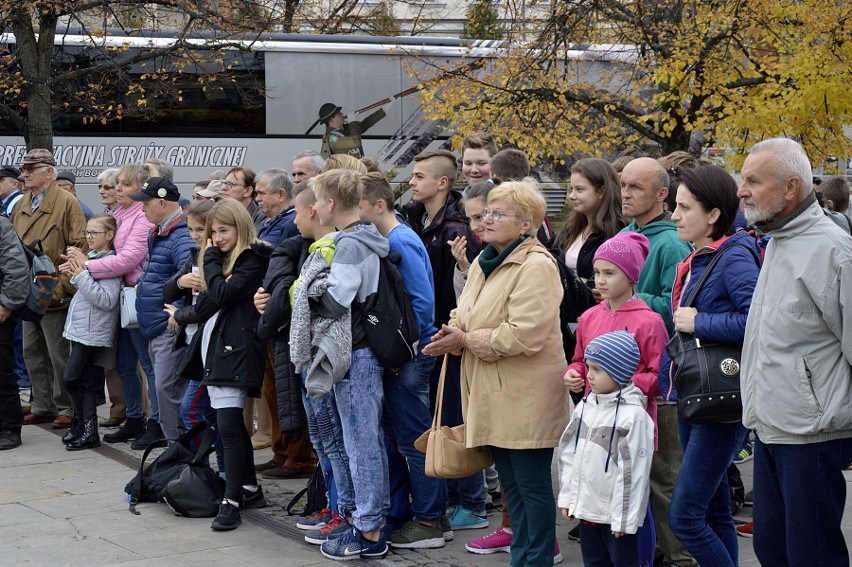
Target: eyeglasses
(106,187)
(94,232)
(267,193)
(32,168)
(495,214)
(231,184)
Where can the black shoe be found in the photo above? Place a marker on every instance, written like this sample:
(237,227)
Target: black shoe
(9,440)
(228,517)
(153,432)
(574,534)
(89,439)
(254,499)
(75,431)
(132,428)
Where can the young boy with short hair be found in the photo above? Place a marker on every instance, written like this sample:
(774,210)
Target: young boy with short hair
(605,455)
(353,277)
(477,151)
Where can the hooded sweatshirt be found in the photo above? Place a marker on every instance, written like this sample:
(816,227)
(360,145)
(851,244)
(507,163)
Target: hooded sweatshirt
(658,274)
(648,330)
(354,275)
(605,460)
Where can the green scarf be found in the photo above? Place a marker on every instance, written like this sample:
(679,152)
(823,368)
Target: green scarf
(489,259)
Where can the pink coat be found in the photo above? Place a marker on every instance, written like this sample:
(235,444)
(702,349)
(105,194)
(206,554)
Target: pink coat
(647,328)
(131,247)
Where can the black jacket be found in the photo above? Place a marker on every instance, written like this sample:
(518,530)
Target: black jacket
(236,354)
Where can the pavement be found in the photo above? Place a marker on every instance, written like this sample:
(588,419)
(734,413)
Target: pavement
(69,508)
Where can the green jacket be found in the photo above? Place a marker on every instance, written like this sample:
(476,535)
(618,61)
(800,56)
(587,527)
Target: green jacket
(347,139)
(658,274)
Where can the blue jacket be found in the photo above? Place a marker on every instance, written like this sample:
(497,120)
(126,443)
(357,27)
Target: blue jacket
(416,272)
(167,253)
(280,228)
(724,299)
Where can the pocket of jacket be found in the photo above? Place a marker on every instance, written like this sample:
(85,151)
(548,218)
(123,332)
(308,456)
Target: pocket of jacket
(804,378)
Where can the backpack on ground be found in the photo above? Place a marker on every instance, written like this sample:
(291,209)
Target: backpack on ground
(43,280)
(389,321)
(315,492)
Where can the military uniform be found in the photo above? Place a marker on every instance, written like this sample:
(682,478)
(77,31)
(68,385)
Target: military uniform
(347,139)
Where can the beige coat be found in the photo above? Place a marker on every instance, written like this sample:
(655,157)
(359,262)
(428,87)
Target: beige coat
(512,391)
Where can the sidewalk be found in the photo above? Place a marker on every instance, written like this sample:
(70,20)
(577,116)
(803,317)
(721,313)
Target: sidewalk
(69,508)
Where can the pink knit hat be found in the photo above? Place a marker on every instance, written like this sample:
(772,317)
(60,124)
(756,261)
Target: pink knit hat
(628,251)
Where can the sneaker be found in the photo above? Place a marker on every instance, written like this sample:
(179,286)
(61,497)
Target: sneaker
(9,440)
(315,522)
(748,499)
(464,519)
(557,555)
(499,541)
(254,499)
(447,528)
(417,535)
(335,528)
(746,530)
(352,545)
(228,517)
(574,533)
(745,454)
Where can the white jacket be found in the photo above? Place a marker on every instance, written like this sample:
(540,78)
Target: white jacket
(604,478)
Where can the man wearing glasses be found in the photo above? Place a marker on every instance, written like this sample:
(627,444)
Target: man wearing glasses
(239,184)
(54,216)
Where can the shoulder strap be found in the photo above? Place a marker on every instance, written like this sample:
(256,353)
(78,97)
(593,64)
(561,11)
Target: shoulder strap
(706,273)
(133,497)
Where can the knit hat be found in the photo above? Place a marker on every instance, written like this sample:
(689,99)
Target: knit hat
(617,353)
(628,251)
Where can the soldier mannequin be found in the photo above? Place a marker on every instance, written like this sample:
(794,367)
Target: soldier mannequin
(343,137)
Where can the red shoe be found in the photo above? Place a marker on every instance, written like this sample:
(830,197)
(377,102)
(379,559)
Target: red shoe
(34,418)
(746,530)
(61,422)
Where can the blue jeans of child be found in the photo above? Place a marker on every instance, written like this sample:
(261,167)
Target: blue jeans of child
(407,403)
(799,495)
(602,549)
(359,398)
(700,514)
(196,408)
(326,433)
(133,348)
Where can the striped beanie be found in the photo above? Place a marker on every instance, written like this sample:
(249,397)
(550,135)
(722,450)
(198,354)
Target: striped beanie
(617,353)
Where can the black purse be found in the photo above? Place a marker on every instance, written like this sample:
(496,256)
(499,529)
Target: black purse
(707,375)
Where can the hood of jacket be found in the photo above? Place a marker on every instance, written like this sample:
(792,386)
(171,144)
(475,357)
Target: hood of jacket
(451,211)
(368,235)
(654,227)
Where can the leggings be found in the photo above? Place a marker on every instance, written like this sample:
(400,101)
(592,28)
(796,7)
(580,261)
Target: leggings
(239,453)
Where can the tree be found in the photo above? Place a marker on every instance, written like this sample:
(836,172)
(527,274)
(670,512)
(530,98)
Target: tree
(482,21)
(601,75)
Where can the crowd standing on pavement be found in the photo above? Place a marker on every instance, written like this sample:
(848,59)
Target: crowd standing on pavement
(258,289)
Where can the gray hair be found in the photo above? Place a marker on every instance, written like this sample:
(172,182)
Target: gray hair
(160,168)
(278,179)
(788,160)
(317,161)
(107,174)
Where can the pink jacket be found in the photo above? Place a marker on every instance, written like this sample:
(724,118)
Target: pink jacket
(131,247)
(647,328)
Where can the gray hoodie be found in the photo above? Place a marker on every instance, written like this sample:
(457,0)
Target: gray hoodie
(14,270)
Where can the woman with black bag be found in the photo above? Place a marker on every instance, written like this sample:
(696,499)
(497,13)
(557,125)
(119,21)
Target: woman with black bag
(710,302)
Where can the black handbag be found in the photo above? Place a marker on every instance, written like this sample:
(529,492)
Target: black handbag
(706,374)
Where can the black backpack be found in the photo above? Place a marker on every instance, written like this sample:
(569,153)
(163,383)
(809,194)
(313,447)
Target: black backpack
(389,321)
(43,280)
(576,299)
(315,492)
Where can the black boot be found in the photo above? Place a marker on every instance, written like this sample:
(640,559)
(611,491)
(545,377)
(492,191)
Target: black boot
(89,439)
(75,431)
(132,428)
(153,433)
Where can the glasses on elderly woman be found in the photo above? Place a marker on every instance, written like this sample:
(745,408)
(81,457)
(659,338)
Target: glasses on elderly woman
(495,214)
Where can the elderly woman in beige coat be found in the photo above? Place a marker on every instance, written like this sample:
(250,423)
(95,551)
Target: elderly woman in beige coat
(506,326)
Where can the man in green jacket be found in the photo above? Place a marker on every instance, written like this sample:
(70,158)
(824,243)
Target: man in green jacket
(343,137)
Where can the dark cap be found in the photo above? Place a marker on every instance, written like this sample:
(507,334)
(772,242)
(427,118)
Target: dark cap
(38,157)
(157,188)
(67,176)
(9,171)
(327,112)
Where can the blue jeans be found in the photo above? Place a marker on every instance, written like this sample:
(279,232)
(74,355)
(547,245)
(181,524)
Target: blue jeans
(700,514)
(359,398)
(19,367)
(132,349)
(196,408)
(601,549)
(326,433)
(525,475)
(799,496)
(407,403)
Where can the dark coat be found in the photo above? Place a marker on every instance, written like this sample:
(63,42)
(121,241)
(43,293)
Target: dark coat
(236,354)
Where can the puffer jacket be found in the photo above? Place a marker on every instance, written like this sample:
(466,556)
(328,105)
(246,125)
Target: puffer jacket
(58,222)
(14,270)
(168,251)
(93,314)
(605,458)
(131,247)
(797,354)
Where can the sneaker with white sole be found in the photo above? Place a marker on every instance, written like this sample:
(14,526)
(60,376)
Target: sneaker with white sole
(316,521)
(464,519)
(746,530)
(353,545)
(417,535)
(447,528)
(335,527)
(746,454)
(499,541)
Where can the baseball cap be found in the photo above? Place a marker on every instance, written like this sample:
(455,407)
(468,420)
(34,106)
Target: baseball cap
(9,171)
(213,189)
(157,188)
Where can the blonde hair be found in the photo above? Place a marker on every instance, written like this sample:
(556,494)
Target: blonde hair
(344,186)
(345,161)
(133,173)
(228,212)
(108,223)
(527,201)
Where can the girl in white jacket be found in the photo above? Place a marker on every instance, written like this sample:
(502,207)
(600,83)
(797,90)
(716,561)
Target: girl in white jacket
(605,455)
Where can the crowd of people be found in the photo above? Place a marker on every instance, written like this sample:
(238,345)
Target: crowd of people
(257,288)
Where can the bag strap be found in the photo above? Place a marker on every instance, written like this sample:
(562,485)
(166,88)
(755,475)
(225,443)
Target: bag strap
(439,398)
(136,490)
(205,445)
(706,273)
